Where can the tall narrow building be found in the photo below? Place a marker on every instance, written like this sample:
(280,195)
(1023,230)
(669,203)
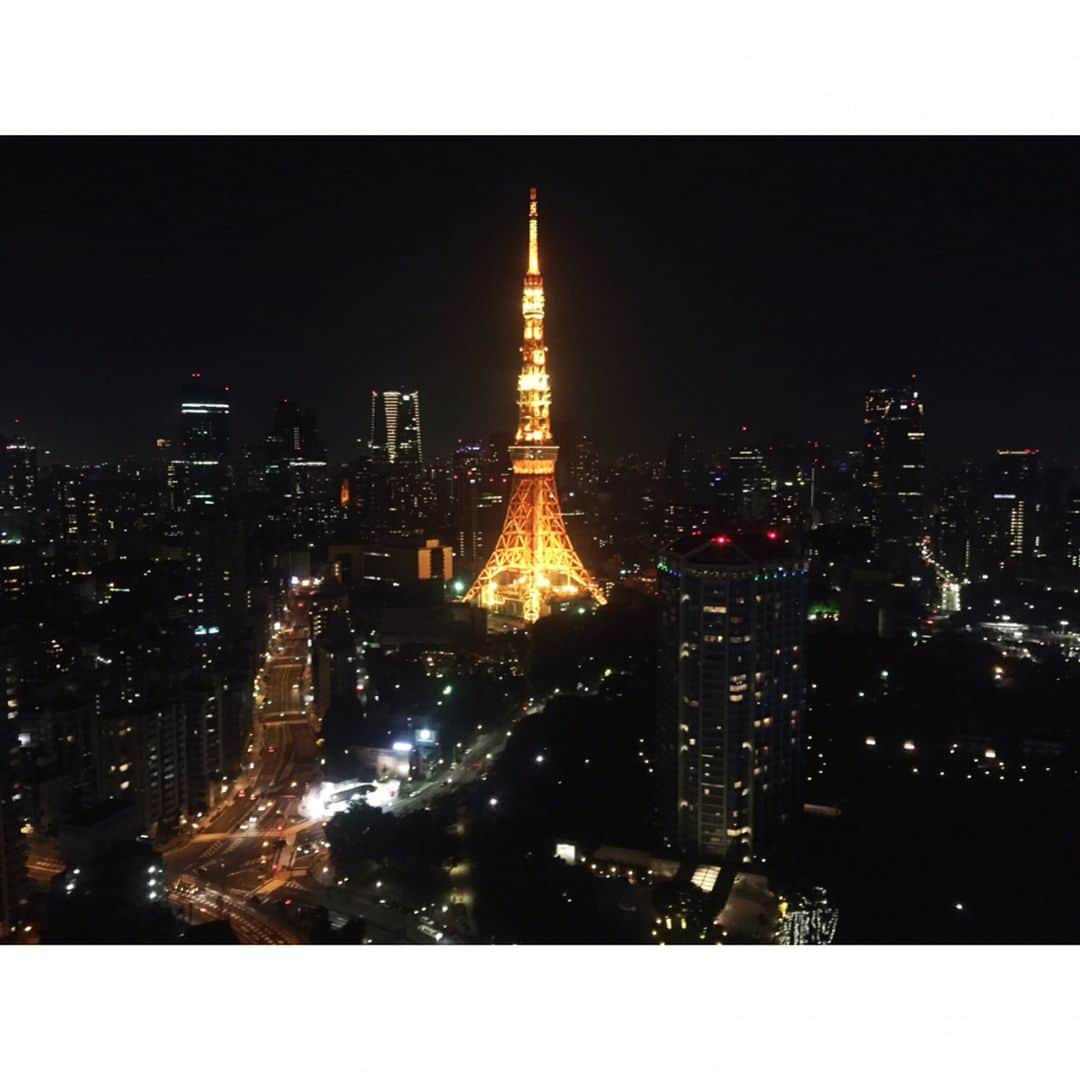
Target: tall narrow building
(18,476)
(1012,513)
(732,689)
(895,464)
(534,563)
(204,471)
(394,432)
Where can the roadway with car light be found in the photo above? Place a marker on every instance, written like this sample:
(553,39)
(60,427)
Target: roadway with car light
(236,850)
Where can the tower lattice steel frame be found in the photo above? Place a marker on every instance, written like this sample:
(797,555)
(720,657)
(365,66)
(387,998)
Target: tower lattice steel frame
(534,561)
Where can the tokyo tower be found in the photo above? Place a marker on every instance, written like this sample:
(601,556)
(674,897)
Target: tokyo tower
(533,562)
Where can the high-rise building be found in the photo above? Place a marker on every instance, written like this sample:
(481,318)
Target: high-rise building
(394,432)
(1052,524)
(297,472)
(204,472)
(496,470)
(468,483)
(294,435)
(18,476)
(793,466)
(1013,507)
(18,500)
(161,765)
(956,530)
(585,467)
(749,477)
(1072,528)
(684,464)
(534,563)
(732,689)
(895,463)
(682,491)
(72,501)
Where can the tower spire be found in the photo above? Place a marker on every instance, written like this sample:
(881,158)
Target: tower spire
(534,235)
(534,387)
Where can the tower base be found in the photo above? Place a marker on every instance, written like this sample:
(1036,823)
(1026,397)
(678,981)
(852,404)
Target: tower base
(534,565)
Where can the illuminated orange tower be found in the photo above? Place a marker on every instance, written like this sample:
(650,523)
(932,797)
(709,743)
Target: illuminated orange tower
(533,561)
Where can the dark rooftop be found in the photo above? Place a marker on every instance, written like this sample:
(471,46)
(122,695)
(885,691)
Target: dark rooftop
(741,547)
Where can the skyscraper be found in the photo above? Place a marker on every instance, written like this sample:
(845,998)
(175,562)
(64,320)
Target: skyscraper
(294,435)
(1013,507)
(1072,528)
(297,472)
(585,467)
(204,472)
(895,463)
(534,561)
(18,476)
(748,476)
(18,500)
(732,689)
(957,516)
(394,432)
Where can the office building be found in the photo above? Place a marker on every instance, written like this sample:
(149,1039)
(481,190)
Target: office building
(294,435)
(585,467)
(748,477)
(161,776)
(1012,510)
(894,464)
(732,689)
(683,493)
(297,473)
(203,468)
(956,520)
(18,477)
(394,431)
(480,480)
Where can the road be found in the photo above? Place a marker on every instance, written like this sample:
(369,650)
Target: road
(240,847)
(476,758)
(199,903)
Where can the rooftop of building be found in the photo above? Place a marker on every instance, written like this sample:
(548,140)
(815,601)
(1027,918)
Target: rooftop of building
(742,547)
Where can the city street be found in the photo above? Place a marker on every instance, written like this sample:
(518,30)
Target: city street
(239,848)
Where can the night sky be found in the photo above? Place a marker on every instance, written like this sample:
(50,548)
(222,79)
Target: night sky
(691,283)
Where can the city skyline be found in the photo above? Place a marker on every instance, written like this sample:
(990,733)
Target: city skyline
(695,269)
(724,689)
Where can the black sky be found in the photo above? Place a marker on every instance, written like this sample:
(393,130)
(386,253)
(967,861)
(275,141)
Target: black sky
(691,283)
